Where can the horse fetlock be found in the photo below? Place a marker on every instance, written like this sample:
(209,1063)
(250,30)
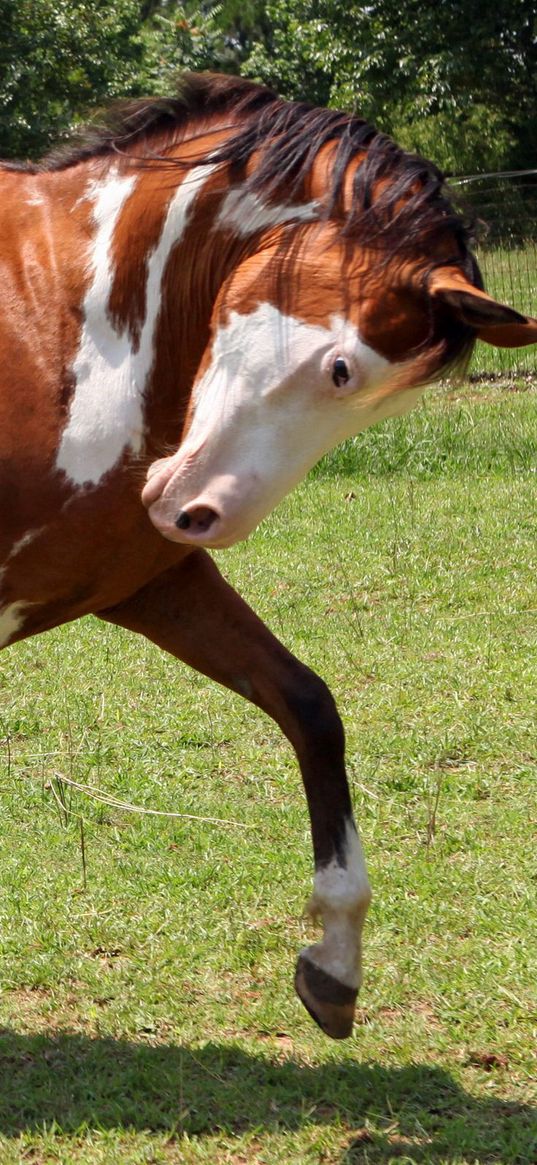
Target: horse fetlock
(329,972)
(341,895)
(339,952)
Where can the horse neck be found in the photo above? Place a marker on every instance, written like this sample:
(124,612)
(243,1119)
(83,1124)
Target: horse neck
(152,269)
(138,252)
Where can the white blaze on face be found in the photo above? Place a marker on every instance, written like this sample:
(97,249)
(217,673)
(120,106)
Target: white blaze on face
(106,413)
(264,411)
(341,896)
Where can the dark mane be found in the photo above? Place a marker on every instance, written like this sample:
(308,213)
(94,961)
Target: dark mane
(132,126)
(411,206)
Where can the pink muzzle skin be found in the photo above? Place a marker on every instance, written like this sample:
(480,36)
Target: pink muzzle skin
(197,519)
(218,516)
(158,475)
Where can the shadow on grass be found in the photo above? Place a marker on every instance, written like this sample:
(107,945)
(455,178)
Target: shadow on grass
(68,1081)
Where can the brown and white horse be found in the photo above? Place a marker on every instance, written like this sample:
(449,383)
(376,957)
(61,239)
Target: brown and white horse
(207,294)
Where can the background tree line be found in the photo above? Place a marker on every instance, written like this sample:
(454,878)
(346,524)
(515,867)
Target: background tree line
(454,79)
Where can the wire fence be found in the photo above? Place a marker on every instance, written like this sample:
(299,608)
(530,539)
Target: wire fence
(505,209)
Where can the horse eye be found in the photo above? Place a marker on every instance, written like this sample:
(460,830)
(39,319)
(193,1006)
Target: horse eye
(340,372)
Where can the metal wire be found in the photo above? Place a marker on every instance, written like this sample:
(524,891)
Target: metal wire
(505,206)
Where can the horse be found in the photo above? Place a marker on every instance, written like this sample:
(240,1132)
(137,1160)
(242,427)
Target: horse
(200,297)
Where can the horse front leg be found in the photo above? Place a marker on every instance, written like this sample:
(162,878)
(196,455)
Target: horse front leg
(191,611)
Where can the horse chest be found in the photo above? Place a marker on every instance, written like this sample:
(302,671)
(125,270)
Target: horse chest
(87,554)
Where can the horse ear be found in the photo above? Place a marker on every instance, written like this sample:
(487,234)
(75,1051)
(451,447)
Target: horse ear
(494,322)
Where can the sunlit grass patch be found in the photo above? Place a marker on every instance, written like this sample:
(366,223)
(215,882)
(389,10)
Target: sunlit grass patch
(147,1007)
(510,274)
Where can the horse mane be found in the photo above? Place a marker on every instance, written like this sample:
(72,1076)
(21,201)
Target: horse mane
(131,126)
(398,198)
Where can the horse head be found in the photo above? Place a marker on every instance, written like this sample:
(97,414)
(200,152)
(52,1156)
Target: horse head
(313,339)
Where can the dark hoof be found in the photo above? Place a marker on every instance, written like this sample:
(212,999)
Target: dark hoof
(330,1003)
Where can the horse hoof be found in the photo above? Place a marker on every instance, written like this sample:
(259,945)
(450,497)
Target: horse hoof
(330,1003)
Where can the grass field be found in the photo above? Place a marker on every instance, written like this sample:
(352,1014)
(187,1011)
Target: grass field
(510,274)
(147,1012)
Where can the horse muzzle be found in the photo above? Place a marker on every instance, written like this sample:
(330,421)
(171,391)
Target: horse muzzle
(216,517)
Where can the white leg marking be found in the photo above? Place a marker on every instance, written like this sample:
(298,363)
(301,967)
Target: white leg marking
(11,619)
(106,414)
(341,895)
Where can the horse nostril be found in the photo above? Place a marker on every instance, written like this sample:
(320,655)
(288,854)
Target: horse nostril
(183,521)
(198,520)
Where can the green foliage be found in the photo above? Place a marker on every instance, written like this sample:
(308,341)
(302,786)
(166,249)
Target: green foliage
(300,58)
(177,38)
(470,142)
(456,79)
(453,79)
(60,58)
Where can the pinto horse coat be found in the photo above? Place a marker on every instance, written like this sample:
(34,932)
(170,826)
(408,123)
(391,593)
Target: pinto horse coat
(197,302)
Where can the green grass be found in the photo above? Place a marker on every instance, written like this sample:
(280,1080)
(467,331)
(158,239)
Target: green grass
(147,1012)
(510,274)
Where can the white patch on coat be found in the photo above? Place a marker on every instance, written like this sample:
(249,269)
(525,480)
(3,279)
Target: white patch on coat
(246,213)
(106,414)
(19,545)
(341,896)
(12,619)
(23,542)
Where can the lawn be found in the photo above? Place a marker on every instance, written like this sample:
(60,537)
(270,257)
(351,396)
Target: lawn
(510,274)
(147,1012)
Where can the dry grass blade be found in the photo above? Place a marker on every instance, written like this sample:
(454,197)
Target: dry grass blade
(105,798)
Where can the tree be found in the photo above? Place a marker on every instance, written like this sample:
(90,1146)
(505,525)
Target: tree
(56,57)
(61,58)
(455,79)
